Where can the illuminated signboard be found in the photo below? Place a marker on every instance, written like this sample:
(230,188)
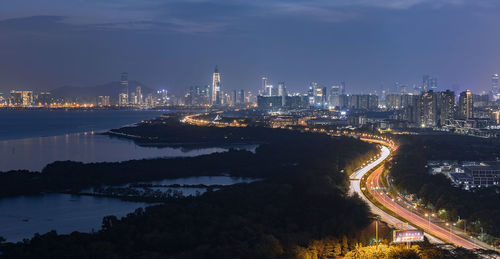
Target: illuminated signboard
(404,236)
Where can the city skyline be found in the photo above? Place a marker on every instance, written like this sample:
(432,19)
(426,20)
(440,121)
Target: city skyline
(250,129)
(174,45)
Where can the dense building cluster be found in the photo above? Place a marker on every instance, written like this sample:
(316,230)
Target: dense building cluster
(468,175)
(402,106)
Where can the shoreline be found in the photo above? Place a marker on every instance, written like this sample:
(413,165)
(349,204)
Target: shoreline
(150,142)
(86,128)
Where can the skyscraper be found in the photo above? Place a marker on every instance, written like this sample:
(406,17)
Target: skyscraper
(427,109)
(216,98)
(281,89)
(429,83)
(465,105)
(241,96)
(138,94)
(264,86)
(269,90)
(282,92)
(123,96)
(234,98)
(446,107)
(495,88)
(310,94)
(318,94)
(335,95)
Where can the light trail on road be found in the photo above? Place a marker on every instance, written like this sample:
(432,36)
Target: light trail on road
(374,185)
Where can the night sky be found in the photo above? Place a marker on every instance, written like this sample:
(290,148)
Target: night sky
(175,44)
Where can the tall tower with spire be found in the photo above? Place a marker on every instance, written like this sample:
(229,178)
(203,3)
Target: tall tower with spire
(216,87)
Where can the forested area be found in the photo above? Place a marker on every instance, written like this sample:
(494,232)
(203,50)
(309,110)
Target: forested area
(401,251)
(300,207)
(280,151)
(408,169)
(171,131)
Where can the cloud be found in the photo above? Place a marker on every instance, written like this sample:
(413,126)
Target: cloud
(202,16)
(314,12)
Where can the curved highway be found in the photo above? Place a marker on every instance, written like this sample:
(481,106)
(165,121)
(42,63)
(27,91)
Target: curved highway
(374,187)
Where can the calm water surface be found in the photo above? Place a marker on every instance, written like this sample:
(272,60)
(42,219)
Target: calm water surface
(21,217)
(32,139)
(35,153)
(17,124)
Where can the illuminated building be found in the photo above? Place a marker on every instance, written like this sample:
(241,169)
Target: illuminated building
(249,97)
(123,96)
(495,87)
(103,101)
(446,107)
(282,92)
(162,98)
(133,98)
(281,89)
(465,105)
(264,86)
(318,95)
(138,95)
(427,109)
(150,100)
(21,98)
(393,101)
(495,116)
(310,93)
(484,174)
(269,90)
(216,96)
(44,99)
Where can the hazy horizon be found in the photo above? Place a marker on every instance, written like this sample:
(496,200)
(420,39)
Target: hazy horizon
(176,44)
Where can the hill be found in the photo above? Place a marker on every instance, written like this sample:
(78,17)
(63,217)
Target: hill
(111,89)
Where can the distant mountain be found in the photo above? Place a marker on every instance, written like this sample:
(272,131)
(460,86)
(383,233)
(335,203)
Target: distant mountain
(111,89)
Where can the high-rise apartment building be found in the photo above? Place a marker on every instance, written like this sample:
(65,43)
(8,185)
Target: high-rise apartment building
(446,106)
(426,109)
(465,105)
(21,98)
